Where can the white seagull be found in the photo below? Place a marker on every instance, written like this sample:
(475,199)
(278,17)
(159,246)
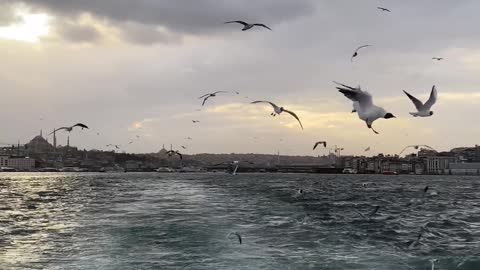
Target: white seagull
(247,26)
(356,51)
(207,96)
(279,110)
(423,109)
(363,105)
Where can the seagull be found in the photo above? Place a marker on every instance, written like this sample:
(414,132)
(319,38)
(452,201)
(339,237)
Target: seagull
(279,110)
(367,149)
(188,138)
(238,236)
(247,26)
(416,148)
(433,261)
(69,129)
(437,58)
(320,142)
(171,152)
(423,109)
(236,92)
(130,142)
(384,9)
(356,51)
(184,147)
(113,145)
(363,105)
(207,96)
(195,121)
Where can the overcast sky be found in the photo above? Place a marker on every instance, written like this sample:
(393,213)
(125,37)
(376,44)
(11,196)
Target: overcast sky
(128,68)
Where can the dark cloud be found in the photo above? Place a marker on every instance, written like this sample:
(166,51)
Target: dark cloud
(140,33)
(73,32)
(197,17)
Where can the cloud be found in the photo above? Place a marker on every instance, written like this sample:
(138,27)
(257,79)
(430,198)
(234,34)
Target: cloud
(185,17)
(74,32)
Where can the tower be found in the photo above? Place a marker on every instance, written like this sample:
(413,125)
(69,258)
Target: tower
(41,133)
(54,139)
(68,141)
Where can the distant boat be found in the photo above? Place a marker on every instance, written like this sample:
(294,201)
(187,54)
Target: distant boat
(389,173)
(349,171)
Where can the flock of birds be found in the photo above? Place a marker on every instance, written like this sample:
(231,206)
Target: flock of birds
(362,100)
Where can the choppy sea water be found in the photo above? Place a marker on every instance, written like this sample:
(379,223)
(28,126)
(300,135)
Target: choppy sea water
(187,221)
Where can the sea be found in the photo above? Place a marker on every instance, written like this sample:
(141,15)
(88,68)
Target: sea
(165,221)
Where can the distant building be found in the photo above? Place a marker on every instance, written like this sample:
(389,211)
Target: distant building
(39,145)
(21,163)
(4,161)
(438,164)
(464,168)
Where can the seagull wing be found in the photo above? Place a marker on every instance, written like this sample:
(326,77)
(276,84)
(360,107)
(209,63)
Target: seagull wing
(239,237)
(80,125)
(432,99)
(363,46)
(294,115)
(180,155)
(240,22)
(418,104)
(219,92)
(204,96)
(363,98)
(263,25)
(205,99)
(58,129)
(275,107)
(316,144)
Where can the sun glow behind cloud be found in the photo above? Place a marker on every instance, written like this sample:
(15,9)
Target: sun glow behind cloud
(30,28)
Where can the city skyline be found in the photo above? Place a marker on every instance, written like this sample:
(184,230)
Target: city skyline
(141,73)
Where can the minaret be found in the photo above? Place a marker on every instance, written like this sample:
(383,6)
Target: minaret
(41,133)
(68,141)
(54,139)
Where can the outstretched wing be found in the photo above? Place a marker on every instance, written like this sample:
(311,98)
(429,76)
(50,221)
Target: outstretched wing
(240,22)
(432,99)
(65,128)
(275,107)
(363,98)
(294,115)
(205,99)
(219,92)
(316,144)
(263,25)
(384,9)
(180,155)
(204,96)
(80,125)
(418,104)
(363,46)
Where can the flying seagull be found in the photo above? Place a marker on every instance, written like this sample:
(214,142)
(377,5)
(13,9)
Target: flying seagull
(171,153)
(384,9)
(188,138)
(423,109)
(437,58)
(247,26)
(320,142)
(416,242)
(184,147)
(356,51)
(367,149)
(363,105)
(279,110)
(207,96)
(195,121)
(239,237)
(69,129)
(416,148)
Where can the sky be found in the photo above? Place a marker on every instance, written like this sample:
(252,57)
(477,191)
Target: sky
(136,68)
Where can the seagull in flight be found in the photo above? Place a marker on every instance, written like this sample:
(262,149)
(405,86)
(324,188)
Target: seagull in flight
(171,153)
(184,147)
(279,110)
(239,237)
(113,145)
(437,58)
(207,96)
(416,148)
(363,105)
(384,9)
(367,149)
(423,109)
(320,142)
(188,138)
(69,129)
(247,26)
(356,51)
(195,121)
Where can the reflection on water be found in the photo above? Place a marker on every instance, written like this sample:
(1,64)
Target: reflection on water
(186,221)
